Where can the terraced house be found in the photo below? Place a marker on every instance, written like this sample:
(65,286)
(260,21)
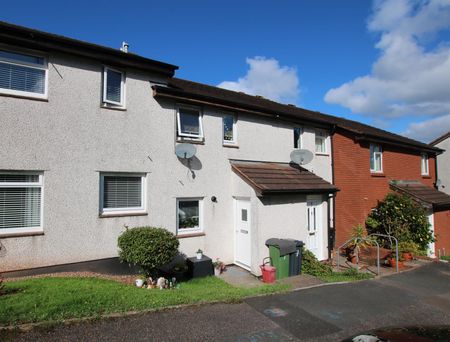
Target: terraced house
(90,142)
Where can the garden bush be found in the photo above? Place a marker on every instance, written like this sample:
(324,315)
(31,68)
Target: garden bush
(147,247)
(401,217)
(312,266)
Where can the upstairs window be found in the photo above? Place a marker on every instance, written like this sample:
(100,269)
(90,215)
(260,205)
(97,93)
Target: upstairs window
(122,193)
(114,87)
(229,129)
(20,202)
(321,142)
(23,74)
(424,164)
(376,158)
(189,123)
(298,132)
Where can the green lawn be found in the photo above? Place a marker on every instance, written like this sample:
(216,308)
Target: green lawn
(55,299)
(445,257)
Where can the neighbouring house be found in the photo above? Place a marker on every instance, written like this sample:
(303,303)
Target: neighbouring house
(88,140)
(443,184)
(369,163)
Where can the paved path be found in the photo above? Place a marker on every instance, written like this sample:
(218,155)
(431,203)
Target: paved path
(327,313)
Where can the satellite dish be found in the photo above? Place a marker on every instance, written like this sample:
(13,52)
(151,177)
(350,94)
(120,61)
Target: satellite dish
(185,151)
(438,182)
(301,157)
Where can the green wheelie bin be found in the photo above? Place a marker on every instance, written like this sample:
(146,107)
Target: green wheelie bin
(280,262)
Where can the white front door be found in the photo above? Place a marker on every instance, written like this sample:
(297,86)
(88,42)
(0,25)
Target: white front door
(242,227)
(431,251)
(314,225)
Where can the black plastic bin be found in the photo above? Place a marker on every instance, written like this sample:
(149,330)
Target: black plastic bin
(295,259)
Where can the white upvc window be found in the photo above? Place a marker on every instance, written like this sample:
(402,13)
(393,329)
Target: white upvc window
(321,142)
(229,129)
(298,137)
(376,158)
(21,202)
(113,87)
(189,215)
(23,74)
(122,193)
(189,123)
(424,164)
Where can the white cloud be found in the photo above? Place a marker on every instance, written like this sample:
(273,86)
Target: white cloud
(267,78)
(408,78)
(429,130)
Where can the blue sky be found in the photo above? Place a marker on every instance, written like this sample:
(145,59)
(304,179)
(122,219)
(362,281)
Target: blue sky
(340,57)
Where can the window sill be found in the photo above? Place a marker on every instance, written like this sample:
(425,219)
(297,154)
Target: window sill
(27,97)
(377,174)
(191,141)
(322,154)
(20,234)
(426,176)
(121,109)
(187,235)
(106,215)
(230,145)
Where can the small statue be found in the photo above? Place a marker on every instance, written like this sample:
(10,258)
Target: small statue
(161,283)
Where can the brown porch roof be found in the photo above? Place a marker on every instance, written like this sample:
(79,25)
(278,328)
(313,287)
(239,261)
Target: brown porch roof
(428,196)
(270,178)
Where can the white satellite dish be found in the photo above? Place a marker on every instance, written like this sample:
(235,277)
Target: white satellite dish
(185,151)
(301,157)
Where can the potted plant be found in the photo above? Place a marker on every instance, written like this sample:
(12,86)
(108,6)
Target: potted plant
(219,267)
(392,261)
(408,249)
(359,240)
(199,254)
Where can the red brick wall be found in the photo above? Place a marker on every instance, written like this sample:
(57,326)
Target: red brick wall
(442,231)
(360,190)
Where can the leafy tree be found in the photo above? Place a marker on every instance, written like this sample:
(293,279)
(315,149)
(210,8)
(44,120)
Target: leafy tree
(147,247)
(401,217)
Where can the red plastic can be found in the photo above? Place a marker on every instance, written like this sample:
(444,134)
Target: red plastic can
(268,272)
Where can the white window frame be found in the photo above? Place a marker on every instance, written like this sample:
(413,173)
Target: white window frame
(181,135)
(234,141)
(199,229)
(324,137)
(29,65)
(122,87)
(123,211)
(375,154)
(424,164)
(300,138)
(39,184)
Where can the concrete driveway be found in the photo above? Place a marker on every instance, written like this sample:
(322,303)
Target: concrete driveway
(327,313)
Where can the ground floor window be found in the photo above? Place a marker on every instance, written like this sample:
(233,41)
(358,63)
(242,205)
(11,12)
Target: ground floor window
(122,193)
(189,215)
(20,202)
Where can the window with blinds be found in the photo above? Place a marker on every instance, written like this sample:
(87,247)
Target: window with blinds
(113,87)
(20,202)
(122,193)
(22,74)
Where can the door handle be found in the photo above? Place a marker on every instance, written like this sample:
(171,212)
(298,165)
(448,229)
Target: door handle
(243,231)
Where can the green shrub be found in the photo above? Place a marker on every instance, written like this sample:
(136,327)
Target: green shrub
(411,247)
(2,286)
(401,217)
(147,247)
(312,266)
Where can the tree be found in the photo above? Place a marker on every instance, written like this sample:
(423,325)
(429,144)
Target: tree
(401,217)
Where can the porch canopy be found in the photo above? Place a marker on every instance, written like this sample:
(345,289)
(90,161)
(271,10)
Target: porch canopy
(276,178)
(426,195)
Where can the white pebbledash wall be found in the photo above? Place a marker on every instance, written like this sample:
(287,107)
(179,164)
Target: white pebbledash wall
(443,163)
(71,138)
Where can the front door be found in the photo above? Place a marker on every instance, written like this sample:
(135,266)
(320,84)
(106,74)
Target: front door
(431,250)
(242,233)
(314,225)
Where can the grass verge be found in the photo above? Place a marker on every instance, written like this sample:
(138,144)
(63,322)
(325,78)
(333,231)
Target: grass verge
(347,275)
(445,257)
(56,299)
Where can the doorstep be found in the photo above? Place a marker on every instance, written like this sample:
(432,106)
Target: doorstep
(237,276)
